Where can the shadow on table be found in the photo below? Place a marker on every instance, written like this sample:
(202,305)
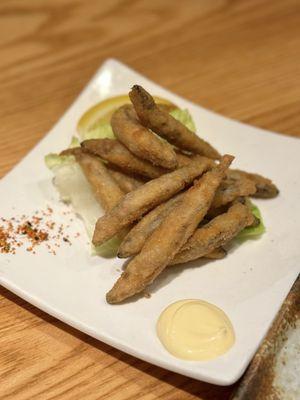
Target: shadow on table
(190,386)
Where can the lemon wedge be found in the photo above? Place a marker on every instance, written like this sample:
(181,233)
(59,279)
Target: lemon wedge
(101,113)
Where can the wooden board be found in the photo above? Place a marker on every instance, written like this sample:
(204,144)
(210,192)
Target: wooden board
(238,58)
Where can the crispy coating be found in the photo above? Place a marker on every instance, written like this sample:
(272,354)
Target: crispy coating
(182,159)
(216,254)
(72,151)
(163,244)
(126,182)
(162,123)
(140,140)
(115,153)
(265,188)
(216,233)
(106,190)
(167,107)
(214,212)
(137,236)
(137,203)
(232,187)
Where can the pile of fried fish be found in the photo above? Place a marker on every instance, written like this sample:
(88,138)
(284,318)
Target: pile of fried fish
(167,194)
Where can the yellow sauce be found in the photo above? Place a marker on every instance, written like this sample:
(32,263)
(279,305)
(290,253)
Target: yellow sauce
(195,330)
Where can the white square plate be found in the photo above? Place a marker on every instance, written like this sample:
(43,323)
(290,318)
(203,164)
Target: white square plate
(249,285)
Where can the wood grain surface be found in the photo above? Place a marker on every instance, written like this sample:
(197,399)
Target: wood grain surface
(238,58)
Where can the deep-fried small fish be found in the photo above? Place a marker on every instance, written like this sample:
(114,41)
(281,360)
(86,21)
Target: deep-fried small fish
(126,182)
(140,140)
(137,203)
(215,233)
(137,236)
(106,190)
(265,188)
(162,123)
(232,187)
(115,153)
(171,235)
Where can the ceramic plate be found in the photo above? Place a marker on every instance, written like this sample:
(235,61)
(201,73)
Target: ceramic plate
(249,284)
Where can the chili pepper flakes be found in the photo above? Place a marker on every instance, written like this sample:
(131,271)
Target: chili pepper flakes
(33,231)
(35,235)
(4,241)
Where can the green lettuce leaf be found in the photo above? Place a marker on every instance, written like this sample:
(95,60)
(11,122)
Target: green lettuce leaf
(108,249)
(74,142)
(102,130)
(184,117)
(53,160)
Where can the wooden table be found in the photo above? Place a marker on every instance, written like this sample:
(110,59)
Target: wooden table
(239,58)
